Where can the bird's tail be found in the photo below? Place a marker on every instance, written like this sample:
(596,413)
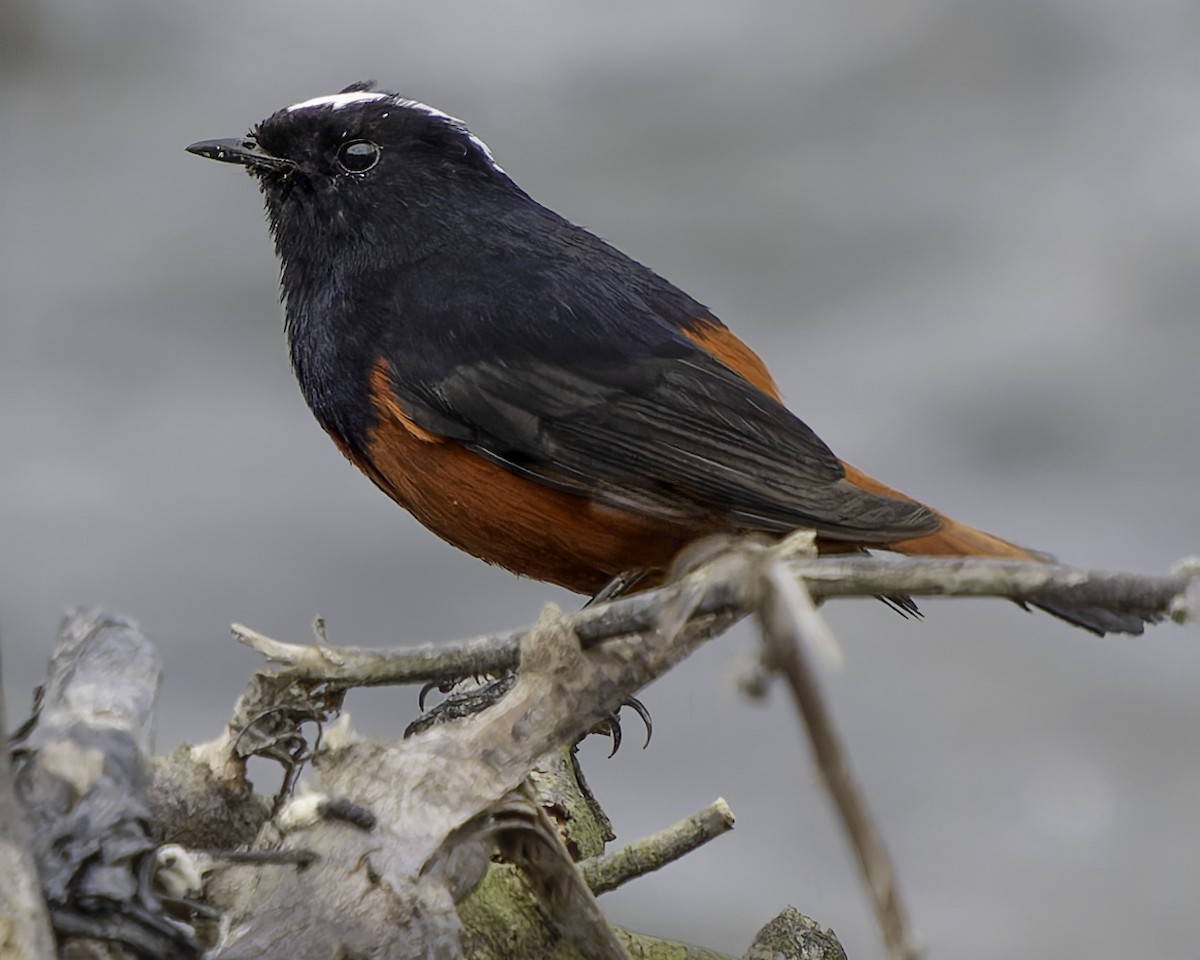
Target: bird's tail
(954,539)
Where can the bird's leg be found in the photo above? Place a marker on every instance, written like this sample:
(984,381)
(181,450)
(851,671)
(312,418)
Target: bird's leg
(466,702)
(618,586)
(610,726)
(623,583)
(462,703)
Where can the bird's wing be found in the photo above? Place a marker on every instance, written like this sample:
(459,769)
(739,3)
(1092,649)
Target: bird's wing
(670,436)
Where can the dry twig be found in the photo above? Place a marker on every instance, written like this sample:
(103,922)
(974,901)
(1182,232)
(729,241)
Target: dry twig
(611,870)
(788,619)
(727,590)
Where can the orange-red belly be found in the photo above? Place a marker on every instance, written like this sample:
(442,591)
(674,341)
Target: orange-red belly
(505,518)
(566,539)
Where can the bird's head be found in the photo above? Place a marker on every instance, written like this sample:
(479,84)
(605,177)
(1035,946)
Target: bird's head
(363,168)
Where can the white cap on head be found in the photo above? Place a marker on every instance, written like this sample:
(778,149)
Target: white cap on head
(335,101)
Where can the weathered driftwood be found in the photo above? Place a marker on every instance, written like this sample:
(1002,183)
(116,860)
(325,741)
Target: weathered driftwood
(780,584)
(82,775)
(391,855)
(24,921)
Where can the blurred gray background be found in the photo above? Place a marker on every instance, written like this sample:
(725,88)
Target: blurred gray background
(966,236)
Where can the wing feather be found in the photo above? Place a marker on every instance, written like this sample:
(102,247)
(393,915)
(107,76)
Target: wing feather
(667,436)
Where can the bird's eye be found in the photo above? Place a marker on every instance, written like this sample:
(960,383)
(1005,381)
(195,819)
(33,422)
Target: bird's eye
(358,156)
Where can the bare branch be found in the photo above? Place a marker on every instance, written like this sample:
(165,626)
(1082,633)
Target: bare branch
(726,590)
(1153,598)
(609,871)
(366,666)
(788,619)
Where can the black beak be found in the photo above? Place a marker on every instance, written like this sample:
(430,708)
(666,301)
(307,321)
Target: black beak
(244,150)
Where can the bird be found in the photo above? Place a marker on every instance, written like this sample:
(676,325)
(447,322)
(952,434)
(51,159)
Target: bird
(531,394)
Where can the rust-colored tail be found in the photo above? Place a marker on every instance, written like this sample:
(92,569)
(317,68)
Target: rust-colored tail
(954,539)
(950,539)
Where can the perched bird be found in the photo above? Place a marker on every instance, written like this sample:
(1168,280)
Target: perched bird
(530,393)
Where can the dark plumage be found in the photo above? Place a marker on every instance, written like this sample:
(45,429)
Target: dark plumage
(529,392)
